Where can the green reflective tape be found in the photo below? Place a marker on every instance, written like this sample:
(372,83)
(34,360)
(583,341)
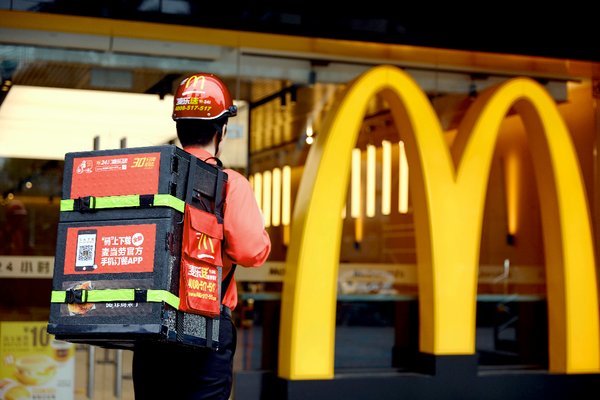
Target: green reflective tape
(160,200)
(163,295)
(108,295)
(66,205)
(118,201)
(58,296)
(169,201)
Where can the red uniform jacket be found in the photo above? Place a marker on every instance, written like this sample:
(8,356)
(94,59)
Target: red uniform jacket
(246,243)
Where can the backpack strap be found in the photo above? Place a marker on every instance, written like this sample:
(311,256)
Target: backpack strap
(219,195)
(226,282)
(219,162)
(219,190)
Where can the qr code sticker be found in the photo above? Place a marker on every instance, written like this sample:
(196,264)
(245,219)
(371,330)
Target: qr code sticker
(85,252)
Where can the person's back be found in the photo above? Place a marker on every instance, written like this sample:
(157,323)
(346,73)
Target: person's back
(202,106)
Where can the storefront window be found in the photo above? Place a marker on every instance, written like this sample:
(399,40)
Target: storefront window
(29,212)
(31,192)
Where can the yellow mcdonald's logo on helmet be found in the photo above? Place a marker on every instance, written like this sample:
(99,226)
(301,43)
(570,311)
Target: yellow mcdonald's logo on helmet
(193,81)
(449,188)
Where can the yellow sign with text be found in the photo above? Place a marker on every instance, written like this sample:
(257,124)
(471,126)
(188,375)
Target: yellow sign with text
(448,188)
(33,364)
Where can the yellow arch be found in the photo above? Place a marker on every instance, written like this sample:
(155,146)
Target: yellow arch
(448,206)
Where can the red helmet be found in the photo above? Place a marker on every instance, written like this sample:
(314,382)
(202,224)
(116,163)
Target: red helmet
(202,96)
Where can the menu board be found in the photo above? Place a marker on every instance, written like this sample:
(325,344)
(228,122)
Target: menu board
(34,365)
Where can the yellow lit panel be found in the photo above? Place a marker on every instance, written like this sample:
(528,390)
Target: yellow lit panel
(276,202)
(371,181)
(266,206)
(386,178)
(286,194)
(355,205)
(403,181)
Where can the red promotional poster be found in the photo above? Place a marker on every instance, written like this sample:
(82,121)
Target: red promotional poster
(115,175)
(110,249)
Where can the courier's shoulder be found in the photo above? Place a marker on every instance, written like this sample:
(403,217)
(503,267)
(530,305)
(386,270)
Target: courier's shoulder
(234,176)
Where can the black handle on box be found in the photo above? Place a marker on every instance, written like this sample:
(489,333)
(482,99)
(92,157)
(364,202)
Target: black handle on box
(83,204)
(76,296)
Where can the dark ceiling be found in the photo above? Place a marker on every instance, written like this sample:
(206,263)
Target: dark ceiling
(565,32)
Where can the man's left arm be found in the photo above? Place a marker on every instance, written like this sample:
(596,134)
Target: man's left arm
(247,241)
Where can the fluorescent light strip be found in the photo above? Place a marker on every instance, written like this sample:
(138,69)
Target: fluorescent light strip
(355,206)
(286,195)
(73,117)
(267,197)
(276,211)
(371,171)
(403,181)
(386,178)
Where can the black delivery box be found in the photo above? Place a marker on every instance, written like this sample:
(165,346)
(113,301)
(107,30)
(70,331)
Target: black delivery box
(116,272)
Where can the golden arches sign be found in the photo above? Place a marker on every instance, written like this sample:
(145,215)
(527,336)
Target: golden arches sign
(448,188)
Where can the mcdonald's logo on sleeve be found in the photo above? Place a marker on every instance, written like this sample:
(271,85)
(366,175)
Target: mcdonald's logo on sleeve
(205,245)
(448,189)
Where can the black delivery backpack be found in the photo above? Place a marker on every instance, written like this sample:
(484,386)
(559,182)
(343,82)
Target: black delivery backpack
(117,267)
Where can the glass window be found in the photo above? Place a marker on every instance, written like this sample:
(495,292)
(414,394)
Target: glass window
(31,192)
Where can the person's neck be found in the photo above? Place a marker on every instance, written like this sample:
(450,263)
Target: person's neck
(208,148)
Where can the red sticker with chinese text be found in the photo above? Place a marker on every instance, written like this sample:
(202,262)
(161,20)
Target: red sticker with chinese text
(115,175)
(110,249)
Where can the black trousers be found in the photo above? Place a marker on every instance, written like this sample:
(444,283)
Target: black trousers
(167,371)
